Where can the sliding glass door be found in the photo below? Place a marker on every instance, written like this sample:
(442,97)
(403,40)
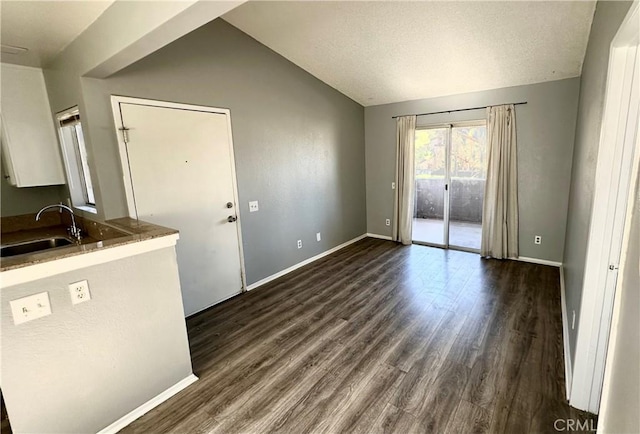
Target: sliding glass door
(450,168)
(430,184)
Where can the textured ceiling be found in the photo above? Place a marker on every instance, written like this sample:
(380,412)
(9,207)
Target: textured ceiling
(383,52)
(44,27)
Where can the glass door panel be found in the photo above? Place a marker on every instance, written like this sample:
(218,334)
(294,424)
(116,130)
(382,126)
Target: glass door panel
(430,207)
(468,173)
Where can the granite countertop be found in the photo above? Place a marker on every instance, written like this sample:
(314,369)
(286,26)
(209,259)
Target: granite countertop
(96,236)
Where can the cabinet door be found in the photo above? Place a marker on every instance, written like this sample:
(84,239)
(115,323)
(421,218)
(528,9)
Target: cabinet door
(29,144)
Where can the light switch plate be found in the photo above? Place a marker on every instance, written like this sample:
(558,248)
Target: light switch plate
(253,206)
(79,292)
(30,308)
(318,236)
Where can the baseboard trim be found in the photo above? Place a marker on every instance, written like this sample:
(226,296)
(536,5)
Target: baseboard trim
(303,263)
(380,237)
(568,374)
(189,315)
(148,406)
(538,261)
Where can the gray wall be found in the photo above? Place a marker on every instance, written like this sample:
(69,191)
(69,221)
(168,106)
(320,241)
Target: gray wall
(545,131)
(606,21)
(299,144)
(16,201)
(86,365)
(624,362)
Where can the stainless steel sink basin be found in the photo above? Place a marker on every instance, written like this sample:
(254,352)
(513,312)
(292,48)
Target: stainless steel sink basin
(33,246)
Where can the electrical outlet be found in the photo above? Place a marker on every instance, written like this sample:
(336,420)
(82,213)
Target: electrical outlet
(387,222)
(30,308)
(79,292)
(537,239)
(573,320)
(393,186)
(299,244)
(253,206)
(318,236)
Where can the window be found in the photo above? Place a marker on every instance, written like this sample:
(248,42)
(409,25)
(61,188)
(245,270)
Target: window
(75,157)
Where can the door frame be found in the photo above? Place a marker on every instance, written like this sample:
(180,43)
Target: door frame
(116,100)
(447,178)
(618,160)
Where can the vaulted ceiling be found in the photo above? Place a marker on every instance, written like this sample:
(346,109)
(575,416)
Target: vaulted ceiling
(374,52)
(383,52)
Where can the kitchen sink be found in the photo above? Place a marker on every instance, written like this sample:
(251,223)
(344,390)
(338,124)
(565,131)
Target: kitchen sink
(34,246)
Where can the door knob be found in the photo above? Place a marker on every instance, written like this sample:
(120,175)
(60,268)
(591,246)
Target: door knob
(229,205)
(232,218)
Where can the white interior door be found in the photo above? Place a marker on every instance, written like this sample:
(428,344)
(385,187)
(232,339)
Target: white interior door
(181,169)
(617,210)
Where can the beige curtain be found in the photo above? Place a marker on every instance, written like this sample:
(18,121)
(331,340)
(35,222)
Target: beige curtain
(404,198)
(500,209)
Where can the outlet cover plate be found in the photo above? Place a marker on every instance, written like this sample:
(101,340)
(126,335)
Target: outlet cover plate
(79,292)
(30,308)
(253,206)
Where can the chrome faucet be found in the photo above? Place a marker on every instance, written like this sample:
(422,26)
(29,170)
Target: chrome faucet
(74,230)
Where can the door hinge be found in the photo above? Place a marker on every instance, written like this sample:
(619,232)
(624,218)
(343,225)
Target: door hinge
(242,287)
(125,134)
(446,187)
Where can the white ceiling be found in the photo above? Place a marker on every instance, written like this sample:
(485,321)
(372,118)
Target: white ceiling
(383,52)
(44,27)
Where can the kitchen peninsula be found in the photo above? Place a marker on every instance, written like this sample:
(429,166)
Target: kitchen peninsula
(95,362)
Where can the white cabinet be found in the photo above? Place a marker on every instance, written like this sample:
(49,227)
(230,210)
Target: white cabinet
(30,149)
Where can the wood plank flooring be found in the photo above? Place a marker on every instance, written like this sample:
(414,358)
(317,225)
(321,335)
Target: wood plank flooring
(379,338)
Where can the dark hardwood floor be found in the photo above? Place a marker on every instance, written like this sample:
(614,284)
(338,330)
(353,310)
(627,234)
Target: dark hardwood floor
(380,337)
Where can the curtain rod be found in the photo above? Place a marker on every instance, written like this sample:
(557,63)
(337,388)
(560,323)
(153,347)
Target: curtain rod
(459,110)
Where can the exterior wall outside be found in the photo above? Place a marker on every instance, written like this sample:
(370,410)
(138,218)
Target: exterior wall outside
(465,199)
